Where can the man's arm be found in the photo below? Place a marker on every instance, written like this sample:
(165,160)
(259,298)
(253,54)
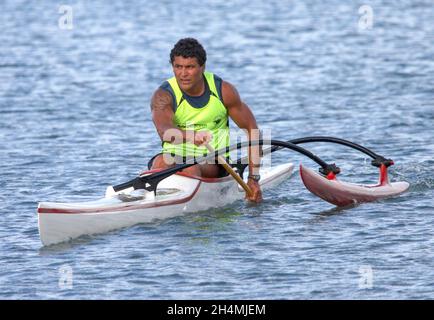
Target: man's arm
(162,116)
(241,114)
(162,113)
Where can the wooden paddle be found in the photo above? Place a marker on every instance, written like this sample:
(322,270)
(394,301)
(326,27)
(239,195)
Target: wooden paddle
(228,168)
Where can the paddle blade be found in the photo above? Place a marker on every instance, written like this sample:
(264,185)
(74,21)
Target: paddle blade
(109,192)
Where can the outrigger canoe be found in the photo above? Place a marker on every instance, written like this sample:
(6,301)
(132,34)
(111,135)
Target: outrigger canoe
(176,195)
(162,194)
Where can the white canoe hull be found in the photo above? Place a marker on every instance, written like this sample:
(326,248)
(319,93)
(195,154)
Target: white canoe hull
(178,194)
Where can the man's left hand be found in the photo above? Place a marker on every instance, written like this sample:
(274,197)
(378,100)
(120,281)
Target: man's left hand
(256,191)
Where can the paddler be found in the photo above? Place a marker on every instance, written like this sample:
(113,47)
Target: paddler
(192,109)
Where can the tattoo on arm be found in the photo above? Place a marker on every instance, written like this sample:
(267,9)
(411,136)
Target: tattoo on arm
(161,101)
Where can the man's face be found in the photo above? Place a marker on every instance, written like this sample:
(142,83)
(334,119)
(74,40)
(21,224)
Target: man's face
(188,72)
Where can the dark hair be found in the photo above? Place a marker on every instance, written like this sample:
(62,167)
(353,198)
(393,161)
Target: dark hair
(188,48)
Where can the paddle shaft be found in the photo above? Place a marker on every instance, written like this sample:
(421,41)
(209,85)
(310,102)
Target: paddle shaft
(150,181)
(228,168)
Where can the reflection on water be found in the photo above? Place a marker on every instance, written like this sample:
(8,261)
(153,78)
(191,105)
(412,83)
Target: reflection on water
(332,212)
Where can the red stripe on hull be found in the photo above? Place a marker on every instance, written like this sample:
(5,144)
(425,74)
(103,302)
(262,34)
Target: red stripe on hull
(117,209)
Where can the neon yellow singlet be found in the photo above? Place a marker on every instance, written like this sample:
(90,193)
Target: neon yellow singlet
(212,117)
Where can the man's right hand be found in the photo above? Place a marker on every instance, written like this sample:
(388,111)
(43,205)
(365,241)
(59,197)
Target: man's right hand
(201,137)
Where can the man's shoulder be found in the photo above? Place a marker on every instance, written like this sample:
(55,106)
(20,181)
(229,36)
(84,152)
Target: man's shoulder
(227,86)
(165,95)
(165,86)
(217,78)
(218,81)
(229,94)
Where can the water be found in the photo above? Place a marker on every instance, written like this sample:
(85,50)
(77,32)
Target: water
(75,118)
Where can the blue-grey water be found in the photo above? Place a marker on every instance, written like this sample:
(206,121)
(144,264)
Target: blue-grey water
(74,118)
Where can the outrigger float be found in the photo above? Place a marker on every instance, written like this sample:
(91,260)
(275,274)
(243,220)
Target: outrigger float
(161,194)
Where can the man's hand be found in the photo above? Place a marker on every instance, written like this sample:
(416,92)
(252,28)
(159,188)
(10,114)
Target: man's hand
(200,137)
(256,191)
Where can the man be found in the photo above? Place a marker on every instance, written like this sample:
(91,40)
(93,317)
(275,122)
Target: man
(192,108)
